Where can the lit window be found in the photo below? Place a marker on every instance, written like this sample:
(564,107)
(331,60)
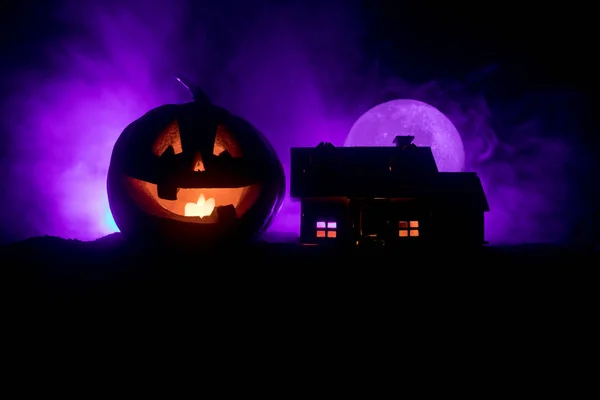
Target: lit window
(326,229)
(408,228)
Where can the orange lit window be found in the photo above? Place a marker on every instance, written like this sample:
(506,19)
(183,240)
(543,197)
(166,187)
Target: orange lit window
(408,228)
(326,229)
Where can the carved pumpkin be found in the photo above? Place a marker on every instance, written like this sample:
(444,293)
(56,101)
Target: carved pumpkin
(193,175)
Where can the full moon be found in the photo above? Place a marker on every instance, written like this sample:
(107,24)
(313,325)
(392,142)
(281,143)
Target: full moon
(430,127)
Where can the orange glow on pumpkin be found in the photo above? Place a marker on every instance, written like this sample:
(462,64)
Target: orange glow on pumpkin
(198,205)
(170,137)
(145,194)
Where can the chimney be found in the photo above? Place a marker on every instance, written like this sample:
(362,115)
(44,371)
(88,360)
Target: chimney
(403,141)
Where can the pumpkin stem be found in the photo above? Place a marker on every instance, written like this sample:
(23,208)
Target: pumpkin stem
(198,94)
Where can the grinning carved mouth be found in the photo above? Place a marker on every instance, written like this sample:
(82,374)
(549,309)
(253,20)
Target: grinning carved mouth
(233,202)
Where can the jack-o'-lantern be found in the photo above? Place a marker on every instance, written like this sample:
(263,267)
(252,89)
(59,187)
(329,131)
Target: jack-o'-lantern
(193,175)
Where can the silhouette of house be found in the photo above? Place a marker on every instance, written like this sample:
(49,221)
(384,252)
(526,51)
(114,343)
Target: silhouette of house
(385,196)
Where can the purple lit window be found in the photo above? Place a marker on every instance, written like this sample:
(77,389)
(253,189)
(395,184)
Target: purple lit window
(326,230)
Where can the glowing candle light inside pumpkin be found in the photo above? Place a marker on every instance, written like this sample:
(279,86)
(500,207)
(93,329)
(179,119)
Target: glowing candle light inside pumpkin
(202,208)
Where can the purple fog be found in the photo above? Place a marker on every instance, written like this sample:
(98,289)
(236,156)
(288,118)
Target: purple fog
(291,70)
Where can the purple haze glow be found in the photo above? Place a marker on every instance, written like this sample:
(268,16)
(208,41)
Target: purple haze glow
(290,70)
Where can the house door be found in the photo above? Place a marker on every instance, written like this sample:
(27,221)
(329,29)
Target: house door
(374,219)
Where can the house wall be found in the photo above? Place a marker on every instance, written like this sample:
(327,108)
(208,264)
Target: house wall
(392,220)
(339,220)
(454,225)
(386,220)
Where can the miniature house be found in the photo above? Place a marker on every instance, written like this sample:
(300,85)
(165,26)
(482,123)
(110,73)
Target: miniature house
(388,196)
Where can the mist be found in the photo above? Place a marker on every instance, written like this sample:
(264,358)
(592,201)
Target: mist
(297,72)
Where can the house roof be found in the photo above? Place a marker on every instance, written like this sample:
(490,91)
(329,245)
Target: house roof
(328,171)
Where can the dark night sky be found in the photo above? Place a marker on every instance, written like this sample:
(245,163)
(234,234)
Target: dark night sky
(533,46)
(523,46)
(540,44)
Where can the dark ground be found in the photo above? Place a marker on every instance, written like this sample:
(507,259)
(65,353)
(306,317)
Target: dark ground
(108,269)
(105,296)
